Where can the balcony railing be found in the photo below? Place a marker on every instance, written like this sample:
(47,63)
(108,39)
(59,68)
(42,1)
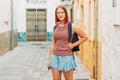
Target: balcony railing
(66,2)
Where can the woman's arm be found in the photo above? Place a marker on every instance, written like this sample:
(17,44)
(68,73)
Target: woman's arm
(81,34)
(50,52)
(51,48)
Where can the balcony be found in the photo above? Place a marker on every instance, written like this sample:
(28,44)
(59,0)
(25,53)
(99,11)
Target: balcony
(66,2)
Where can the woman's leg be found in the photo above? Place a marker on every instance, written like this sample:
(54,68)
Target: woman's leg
(56,74)
(68,75)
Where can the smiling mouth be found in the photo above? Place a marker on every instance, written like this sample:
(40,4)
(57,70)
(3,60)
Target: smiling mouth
(60,17)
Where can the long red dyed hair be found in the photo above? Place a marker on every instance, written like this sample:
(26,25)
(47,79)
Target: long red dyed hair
(66,14)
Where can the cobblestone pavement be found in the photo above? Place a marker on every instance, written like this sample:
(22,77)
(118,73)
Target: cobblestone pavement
(28,62)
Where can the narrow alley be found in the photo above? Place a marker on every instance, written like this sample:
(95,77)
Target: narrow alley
(28,61)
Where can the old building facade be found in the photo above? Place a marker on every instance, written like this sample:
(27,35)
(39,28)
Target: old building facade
(100,20)
(33,20)
(8,32)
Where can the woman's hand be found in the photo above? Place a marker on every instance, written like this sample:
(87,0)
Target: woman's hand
(48,64)
(70,45)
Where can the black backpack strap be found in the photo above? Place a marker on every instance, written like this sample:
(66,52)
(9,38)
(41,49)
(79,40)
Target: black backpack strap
(54,28)
(69,31)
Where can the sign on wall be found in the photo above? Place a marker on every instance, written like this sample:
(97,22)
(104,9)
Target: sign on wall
(36,1)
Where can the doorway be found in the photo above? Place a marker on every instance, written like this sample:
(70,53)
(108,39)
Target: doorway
(36,24)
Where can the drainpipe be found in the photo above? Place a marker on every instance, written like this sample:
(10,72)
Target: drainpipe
(96,39)
(12,31)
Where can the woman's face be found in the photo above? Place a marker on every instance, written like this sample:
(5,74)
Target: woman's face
(60,14)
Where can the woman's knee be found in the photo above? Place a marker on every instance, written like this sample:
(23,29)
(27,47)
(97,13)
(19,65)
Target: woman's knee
(56,79)
(68,75)
(56,74)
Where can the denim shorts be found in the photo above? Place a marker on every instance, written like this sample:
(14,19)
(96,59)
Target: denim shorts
(62,63)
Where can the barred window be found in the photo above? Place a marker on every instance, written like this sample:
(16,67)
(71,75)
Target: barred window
(114,3)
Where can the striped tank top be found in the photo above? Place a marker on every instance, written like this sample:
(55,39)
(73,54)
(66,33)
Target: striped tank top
(61,41)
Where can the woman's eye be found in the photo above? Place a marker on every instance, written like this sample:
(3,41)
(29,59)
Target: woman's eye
(58,12)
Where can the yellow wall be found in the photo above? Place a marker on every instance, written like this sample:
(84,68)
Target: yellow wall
(84,17)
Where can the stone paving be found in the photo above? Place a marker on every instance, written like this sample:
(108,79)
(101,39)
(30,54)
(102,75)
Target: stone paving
(28,62)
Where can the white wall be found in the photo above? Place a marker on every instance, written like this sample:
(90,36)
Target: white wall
(21,13)
(116,13)
(4,15)
(110,41)
(51,5)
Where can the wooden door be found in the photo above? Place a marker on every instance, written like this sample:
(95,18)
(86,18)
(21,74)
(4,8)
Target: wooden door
(36,24)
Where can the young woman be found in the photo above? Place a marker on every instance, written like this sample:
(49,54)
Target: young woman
(60,58)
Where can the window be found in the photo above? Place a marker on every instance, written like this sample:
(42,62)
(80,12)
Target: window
(66,0)
(114,3)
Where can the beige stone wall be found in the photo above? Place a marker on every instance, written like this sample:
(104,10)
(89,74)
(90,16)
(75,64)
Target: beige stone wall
(5,41)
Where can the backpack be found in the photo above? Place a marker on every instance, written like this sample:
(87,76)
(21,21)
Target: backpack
(74,39)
